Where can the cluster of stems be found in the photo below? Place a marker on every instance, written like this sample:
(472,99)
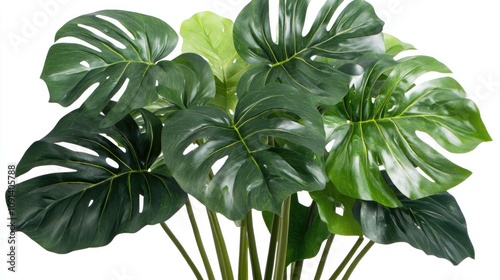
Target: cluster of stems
(276,268)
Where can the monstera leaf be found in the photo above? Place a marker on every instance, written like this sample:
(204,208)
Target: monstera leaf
(290,58)
(211,36)
(386,117)
(306,231)
(109,191)
(253,173)
(115,52)
(432,224)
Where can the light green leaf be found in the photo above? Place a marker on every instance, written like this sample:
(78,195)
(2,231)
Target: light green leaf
(335,209)
(386,116)
(211,36)
(394,46)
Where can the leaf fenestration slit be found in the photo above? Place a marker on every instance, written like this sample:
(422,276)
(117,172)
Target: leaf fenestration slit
(99,33)
(112,163)
(118,24)
(73,40)
(77,148)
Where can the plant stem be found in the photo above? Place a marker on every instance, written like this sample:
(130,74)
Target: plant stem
(254,258)
(347,258)
(271,253)
(280,267)
(358,258)
(220,246)
(199,242)
(182,250)
(324,256)
(243,259)
(297,268)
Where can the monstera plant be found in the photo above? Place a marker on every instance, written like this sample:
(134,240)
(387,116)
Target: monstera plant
(243,119)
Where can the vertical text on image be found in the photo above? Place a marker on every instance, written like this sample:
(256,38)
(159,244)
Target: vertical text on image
(11,220)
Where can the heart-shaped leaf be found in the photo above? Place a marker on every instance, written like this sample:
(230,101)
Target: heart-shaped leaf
(211,36)
(306,231)
(432,224)
(253,173)
(290,58)
(109,191)
(115,52)
(386,117)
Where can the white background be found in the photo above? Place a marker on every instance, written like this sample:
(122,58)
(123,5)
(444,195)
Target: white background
(462,35)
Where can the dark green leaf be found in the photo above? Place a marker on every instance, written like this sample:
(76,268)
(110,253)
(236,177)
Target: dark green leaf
(110,58)
(290,58)
(386,117)
(211,36)
(335,209)
(100,198)
(432,224)
(186,81)
(306,231)
(254,174)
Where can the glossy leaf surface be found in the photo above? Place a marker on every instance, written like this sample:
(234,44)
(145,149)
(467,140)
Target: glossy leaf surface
(290,57)
(211,36)
(110,53)
(386,117)
(433,224)
(108,191)
(253,173)
(186,81)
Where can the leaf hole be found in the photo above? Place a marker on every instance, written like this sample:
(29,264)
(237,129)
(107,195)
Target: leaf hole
(329,146)
(339,208)
(113,141)
(118,24)
(111,162)
(429,76)
(274,19)
(46,169)
(189,149)
(121,91)
(101,34)
(90,203)
(419,170)
(312,12)
(336,14)
(85,64)
(141,203)
(218,164)
(73,40)
(426,138)
(77,148)
(304,198)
